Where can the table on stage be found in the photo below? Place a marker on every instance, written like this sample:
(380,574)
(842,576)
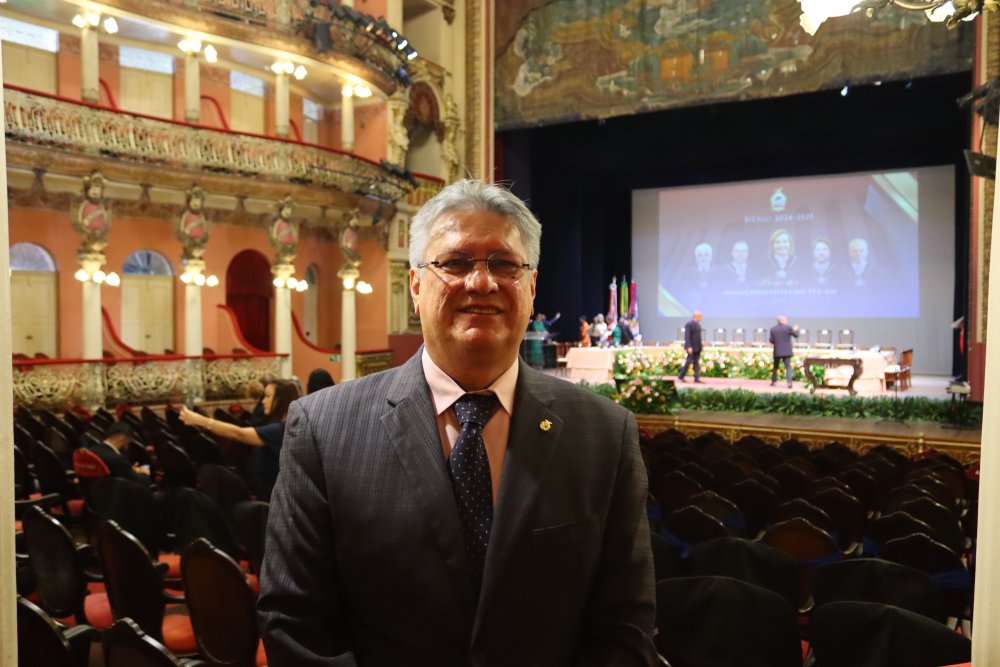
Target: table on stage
(595,364)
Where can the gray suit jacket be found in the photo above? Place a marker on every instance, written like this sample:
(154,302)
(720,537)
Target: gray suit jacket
(781,338)
(365,562)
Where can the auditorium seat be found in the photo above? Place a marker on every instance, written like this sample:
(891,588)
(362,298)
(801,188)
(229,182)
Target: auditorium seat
(867,634)
(748,561)
(126,645)
(722,621)
(222,605)
(881,581)
(807,545)
(43,643)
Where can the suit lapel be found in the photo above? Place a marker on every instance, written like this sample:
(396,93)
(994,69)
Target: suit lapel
(412,429)
(529,452)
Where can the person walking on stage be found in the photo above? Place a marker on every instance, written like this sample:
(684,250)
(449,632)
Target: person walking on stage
(781,338)
(692,343)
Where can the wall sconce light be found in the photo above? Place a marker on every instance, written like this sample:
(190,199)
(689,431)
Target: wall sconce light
(194,45)
(93,19)
(199,279)
(291,283)
(280,67)
(364,288)
(100,277)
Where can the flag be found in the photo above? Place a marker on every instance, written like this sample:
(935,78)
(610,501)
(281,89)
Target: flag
(633,303)
(613,301)
(623,298)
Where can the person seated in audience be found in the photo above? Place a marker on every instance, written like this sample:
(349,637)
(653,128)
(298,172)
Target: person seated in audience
(320,378)
(112,452)
(265,439)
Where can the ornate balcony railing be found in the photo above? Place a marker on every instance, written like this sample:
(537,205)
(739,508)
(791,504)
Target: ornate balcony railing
(357,38)
(427,187)
(35,118)
(58,384)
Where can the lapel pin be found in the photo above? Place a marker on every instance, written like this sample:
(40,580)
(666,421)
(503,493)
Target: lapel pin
(545,425)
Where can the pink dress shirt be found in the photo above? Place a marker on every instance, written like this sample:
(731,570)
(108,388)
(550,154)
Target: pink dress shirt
(444,393)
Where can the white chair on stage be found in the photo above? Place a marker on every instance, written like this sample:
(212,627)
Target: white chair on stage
(739,336)
(803,340)
(824,338)
(719,336)
(760,336)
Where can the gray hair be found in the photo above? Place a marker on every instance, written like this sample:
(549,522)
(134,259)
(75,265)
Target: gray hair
(470,194)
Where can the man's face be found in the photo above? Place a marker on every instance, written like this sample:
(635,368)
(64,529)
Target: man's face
(703,257)
(821,252)
(859,251)
(782,320)
(475,313)
(740,253)
(697,317)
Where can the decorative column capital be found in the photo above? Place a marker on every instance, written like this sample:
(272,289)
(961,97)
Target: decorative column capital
(283,272)
(349,276)
(92,261)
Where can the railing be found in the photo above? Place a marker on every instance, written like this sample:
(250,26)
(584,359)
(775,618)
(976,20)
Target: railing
(37,118)
(303,18)
(62,383)
(427,187)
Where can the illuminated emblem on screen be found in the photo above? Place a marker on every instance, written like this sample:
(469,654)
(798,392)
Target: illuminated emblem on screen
(778,201)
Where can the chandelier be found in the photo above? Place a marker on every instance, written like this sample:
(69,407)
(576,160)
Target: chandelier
(815,12)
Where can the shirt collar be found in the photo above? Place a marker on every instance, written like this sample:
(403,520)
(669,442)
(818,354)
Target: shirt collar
(445,391)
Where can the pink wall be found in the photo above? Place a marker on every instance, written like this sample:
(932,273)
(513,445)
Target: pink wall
(371,130)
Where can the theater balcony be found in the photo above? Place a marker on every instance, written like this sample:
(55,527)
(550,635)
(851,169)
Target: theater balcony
(47,132)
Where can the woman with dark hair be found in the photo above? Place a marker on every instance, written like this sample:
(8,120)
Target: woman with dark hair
(320,378)
(265,439)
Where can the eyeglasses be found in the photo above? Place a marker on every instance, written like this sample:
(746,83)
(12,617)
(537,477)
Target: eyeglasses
(458,264)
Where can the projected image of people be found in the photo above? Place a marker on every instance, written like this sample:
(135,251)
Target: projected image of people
(703,263)
(861,265)
(845,245)
(782,257)
(821,262)
(737,268)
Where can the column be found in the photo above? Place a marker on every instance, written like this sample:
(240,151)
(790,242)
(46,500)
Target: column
(281,105)
(192,88)
(89,70)
(194,385)
(8,591)
(347,118)
(283,15)
(348,324)
(283,317)
(93,346)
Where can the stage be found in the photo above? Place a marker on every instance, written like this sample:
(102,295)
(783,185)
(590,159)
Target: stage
(910,437)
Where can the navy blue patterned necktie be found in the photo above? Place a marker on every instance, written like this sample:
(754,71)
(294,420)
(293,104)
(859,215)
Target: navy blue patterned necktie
(470,478)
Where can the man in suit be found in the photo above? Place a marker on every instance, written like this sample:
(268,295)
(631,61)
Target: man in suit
(111,451)
(781,339)
(692,343)
(462,509)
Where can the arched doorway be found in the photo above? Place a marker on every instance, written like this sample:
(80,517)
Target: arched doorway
(148,302)
(33,300)
(249,293)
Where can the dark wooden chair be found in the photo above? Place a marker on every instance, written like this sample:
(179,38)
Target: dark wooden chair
(867,634)
(944,566)
(890,527)
(673,490)
(176,466)
(898,375)
(24,441)
(43,643)
(54,477)
(881,581)
(793,480)
(723,509)
(755,502)
(135,585)
(748,561)
(845,510)
(721,621)
(222,606)
(805,544)
(126,645)
(250,521)
(60,574)
(223,486)
(863,486)
(945,524)
(688,526)
(191,515)
(802,508)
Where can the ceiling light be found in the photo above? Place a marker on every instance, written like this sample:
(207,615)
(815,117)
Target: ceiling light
(402,44)
(288,67)
(211,55)
(93,18)
(110,25)
(79,21)
(362,91)
(300,72)
(346,90)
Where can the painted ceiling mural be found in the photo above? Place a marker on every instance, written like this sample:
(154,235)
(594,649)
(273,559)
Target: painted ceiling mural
(561,60)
